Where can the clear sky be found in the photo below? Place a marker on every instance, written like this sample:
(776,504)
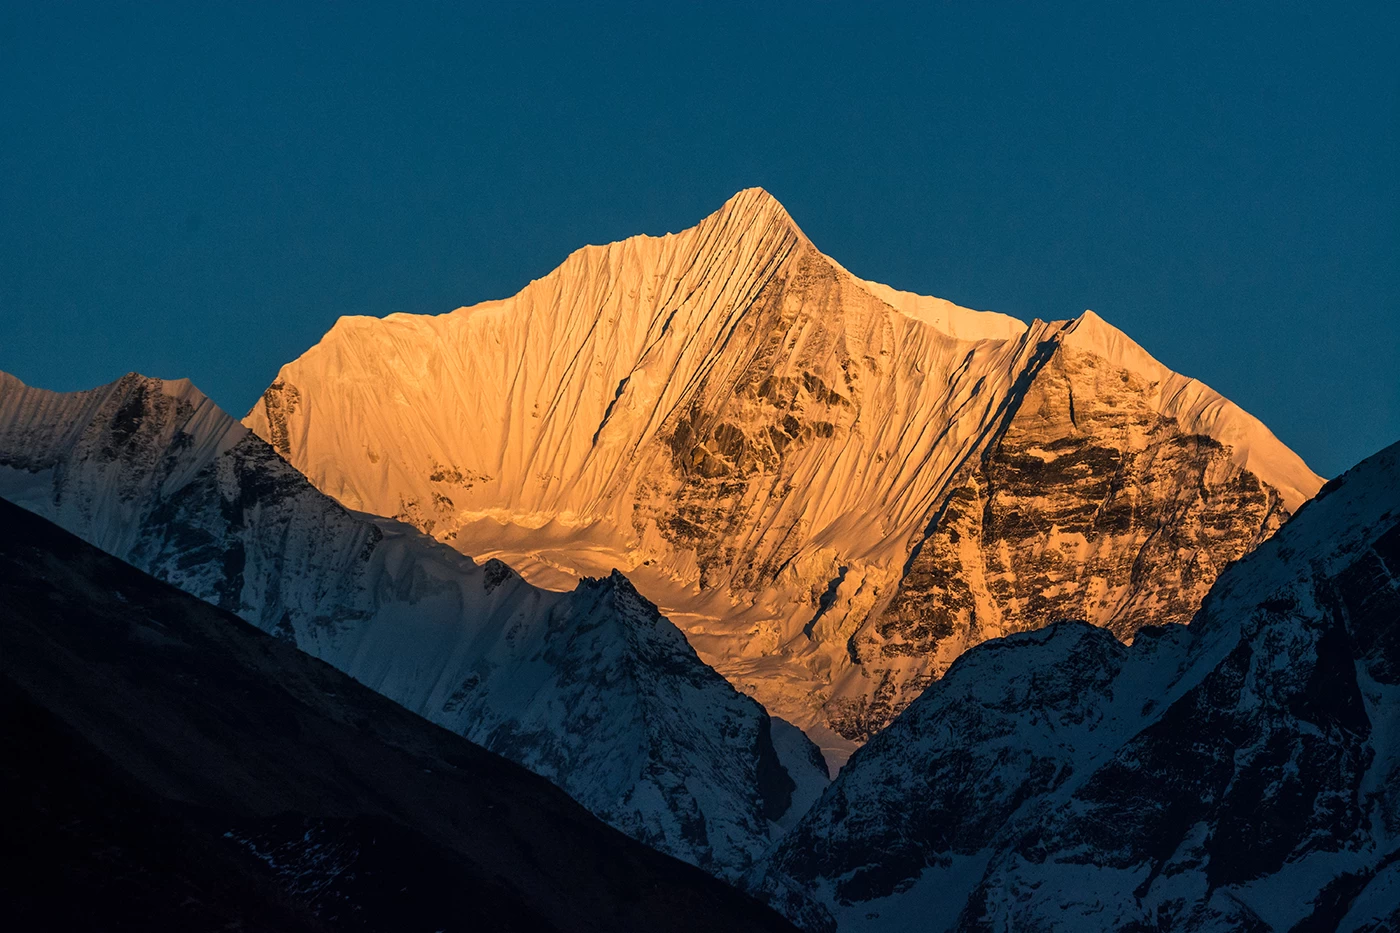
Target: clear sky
(201,189)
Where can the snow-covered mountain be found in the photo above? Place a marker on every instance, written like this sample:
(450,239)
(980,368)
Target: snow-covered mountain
(169,767)
(1242,773)
(591,688)
(833,487)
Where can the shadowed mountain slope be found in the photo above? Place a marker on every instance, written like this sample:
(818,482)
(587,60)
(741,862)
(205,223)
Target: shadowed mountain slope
(1240,773)
(592,689)
(169,766)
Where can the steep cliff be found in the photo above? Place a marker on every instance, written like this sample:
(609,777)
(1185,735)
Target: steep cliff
(1240,773)
(832,486)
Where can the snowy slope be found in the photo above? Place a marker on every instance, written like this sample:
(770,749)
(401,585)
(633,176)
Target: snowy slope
(1242,773)
(591,688)
(833,487)
(172,768)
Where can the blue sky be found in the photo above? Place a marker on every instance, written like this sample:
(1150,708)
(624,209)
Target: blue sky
(201,189)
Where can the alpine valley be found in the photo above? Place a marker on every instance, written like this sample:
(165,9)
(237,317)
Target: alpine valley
(894,614)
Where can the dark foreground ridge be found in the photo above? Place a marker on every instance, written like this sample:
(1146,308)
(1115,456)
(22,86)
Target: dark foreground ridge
(169,766)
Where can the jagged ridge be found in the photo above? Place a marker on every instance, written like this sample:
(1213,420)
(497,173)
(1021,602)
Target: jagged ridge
(790,460)
(1242,773)
(592,688)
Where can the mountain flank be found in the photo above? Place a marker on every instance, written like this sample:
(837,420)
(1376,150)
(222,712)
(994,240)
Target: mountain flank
(172,767)
(1239,773)
(833,487)
(592,688)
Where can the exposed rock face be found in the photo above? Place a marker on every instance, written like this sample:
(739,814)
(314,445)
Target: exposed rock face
(833,487)
(1096,508)
(1242,773)
(593,688)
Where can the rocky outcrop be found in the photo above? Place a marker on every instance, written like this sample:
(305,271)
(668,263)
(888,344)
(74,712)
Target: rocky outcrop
(1237,774)
(592,688)
(833,487)
(1096,508)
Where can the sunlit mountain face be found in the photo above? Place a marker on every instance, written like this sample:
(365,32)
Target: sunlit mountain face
(832,487)
(1239,773)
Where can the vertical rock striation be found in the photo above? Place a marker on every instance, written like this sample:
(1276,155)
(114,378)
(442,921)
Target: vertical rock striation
(833,487)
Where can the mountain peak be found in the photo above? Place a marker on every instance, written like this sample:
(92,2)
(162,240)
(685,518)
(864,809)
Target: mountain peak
(755,208)
(131,391)
(1199,409)
(744,426)
(1091,332)
(181,389)
(756,195)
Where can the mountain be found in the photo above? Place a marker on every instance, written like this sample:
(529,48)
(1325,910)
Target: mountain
(168,766)
(1240,773)
(833,487)
(591,688)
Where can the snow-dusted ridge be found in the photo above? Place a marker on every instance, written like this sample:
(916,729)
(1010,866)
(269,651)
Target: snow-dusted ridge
(951,319)
(591,688)
(833,487)
(1240,773)
(37,422)
(1199,409)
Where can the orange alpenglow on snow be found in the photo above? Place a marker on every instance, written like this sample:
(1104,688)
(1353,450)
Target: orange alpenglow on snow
(833,487)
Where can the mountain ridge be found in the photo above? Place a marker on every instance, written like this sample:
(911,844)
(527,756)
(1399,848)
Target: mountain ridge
(776,453)
(177,768)
(1236,773)
(681,761)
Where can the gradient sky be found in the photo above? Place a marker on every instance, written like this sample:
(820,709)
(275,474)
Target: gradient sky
(201,189)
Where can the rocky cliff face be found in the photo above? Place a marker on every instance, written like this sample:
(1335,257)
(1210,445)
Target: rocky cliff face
(1087,504)
(592,688)
(1242,773)
(833,487)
